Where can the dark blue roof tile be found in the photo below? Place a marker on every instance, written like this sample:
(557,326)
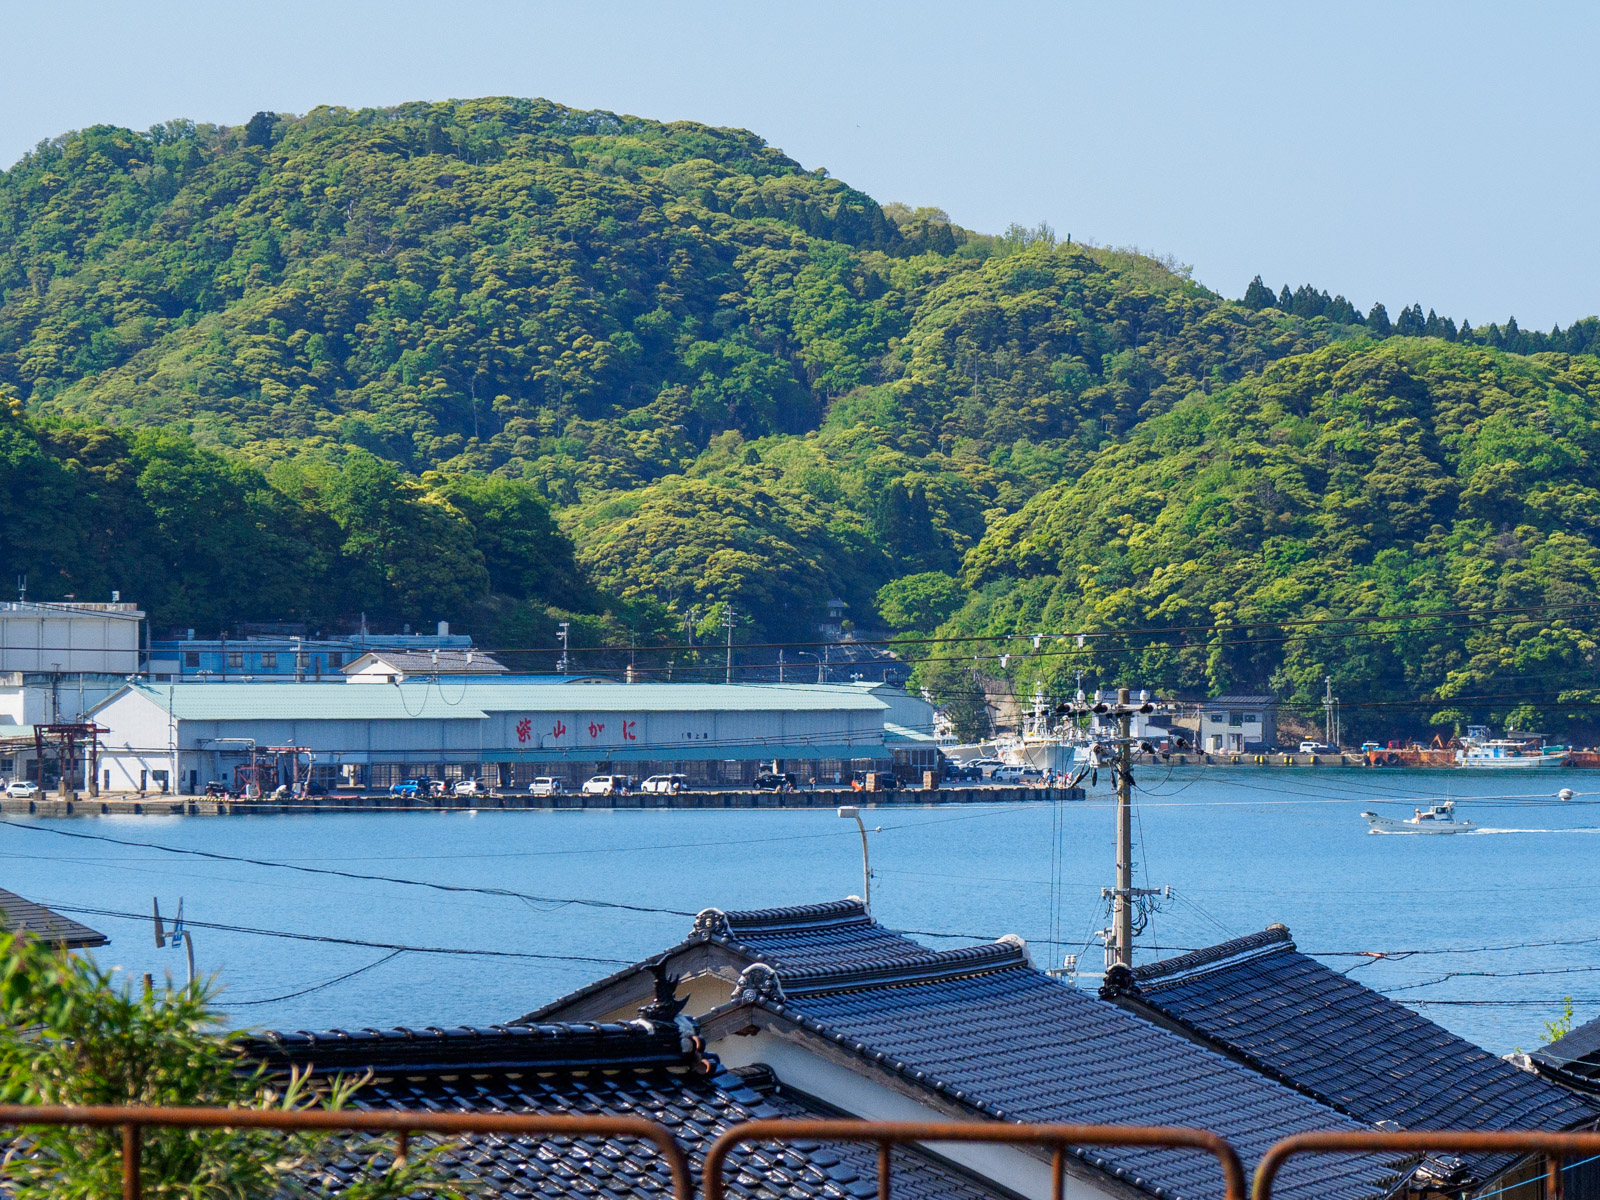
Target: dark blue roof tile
(602,1069)
(1019,1045)
(1354,1048)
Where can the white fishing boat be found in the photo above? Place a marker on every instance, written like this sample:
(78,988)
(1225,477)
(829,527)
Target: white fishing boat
(1440,818)
(1050,746)
(1504,754)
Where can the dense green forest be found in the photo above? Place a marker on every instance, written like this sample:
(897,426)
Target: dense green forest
(505,362)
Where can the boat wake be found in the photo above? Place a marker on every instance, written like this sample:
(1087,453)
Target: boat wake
(1591,829)
(1478,832)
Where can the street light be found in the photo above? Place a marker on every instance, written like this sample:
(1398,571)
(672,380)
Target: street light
(851,812)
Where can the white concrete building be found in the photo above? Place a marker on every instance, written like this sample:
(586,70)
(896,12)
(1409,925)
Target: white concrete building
(69,638)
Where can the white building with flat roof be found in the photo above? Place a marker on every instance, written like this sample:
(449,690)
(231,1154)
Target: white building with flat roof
(69,638)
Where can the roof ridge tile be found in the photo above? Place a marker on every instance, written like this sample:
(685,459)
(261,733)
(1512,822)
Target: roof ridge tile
(1270,940)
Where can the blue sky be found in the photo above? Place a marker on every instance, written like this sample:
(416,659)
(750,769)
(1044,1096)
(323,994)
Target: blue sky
(1441,153)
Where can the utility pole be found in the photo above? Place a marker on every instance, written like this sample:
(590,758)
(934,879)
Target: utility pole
(1327,710)
(1124,896)
(728,620)
(1122,910)
(561,667)
(780,666)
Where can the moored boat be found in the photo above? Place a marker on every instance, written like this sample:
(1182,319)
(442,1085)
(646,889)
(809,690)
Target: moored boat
(1504,754)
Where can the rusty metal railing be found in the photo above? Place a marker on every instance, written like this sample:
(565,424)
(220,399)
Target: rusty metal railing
(133,1121)
(1057,1138)
(1554,1146)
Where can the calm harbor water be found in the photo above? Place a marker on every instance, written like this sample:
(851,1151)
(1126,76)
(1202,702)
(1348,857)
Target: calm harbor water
(1241,848)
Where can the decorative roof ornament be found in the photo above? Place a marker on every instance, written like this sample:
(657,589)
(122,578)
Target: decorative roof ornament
(1020,942)
(712,922)
(758,983)
(667,1004)
(1119,981)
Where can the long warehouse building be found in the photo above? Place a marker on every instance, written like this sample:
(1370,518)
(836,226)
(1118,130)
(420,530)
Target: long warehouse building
(179,736)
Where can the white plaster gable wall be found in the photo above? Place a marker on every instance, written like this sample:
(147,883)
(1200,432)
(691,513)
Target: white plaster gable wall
(860,1096)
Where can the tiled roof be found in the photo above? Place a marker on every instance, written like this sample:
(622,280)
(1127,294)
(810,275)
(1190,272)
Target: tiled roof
(1297,1020)
(1575,1057)
(834,934)
(1252,701)
(431,662)
(635,1069)
(18,915)
(997,1036)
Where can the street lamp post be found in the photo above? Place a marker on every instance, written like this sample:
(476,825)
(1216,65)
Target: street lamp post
(849,812)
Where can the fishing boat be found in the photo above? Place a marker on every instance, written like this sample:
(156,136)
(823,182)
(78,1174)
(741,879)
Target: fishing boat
(1440,818)
(1057,746)
(1505,754)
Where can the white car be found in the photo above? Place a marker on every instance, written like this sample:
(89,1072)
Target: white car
(472,787)
(1316,748)
(605,785)
(987,765)
(1010,774)
(22,789)
(671,785)
(545,786)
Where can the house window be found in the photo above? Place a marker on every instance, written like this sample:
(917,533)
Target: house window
(1252,718)
(269,660)
(1215,717)
(1235,719)
(191,658)
(236,659)
(335,661)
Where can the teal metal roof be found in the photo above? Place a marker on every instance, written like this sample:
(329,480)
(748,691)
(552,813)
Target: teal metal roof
(468,701)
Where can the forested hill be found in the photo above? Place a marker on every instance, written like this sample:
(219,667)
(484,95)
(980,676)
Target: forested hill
(417,338)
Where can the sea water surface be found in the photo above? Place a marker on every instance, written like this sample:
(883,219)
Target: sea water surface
(1486,933)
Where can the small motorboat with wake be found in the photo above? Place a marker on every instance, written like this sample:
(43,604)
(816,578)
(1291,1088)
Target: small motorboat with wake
(1440,818)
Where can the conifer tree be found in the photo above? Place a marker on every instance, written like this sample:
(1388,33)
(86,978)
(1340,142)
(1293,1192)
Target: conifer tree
(1258,295)
(1378,321)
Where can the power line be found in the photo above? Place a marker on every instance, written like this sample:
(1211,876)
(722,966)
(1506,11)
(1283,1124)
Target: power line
(1242,623)
(333,940)
(315,987)
(558,901)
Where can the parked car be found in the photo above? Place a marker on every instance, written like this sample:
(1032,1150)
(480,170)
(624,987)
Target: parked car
(1027,776)
(472,787)
(986,766)
(669,785)
(773,781)
(546,786)
(22,789)
(410,789)
(605,785)
(960,772)
(216,788)
(1309,747)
